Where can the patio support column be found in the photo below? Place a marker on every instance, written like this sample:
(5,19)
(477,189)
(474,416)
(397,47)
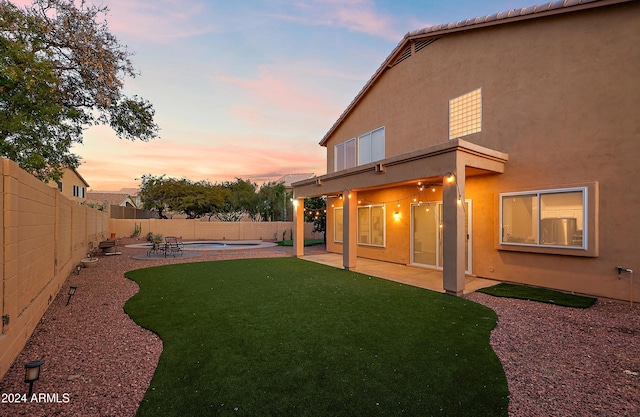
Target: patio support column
(453,273)
(350,229)
(298,227)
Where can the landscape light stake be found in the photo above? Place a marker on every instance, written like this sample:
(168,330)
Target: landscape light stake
(72,291)
(32,373)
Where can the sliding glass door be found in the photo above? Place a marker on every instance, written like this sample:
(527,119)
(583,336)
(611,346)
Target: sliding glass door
(427,235)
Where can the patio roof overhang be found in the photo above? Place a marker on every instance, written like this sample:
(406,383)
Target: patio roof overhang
(426,164)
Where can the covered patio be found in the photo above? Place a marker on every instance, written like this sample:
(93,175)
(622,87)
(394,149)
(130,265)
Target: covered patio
(447,164)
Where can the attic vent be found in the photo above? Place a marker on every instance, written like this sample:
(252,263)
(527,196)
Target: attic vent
(406,54)
(423,44)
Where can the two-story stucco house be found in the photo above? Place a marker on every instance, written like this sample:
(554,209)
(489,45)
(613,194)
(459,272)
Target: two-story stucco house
(505,147)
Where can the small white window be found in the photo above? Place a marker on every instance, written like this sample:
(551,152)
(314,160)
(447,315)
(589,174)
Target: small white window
(345,155)
(371,146)
(465,114)
(549,218)
(78,191)
(371,225)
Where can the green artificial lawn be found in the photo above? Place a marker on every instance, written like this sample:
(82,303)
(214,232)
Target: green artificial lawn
(288,337)
(307,242)
(539,294)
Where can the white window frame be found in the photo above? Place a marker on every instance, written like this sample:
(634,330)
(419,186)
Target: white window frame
(368,151)
(338,215)
(370,226)
(340,152)
(78,191)
(538,194)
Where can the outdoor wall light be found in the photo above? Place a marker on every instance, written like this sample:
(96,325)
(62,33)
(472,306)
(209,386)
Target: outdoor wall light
(72,292)
(450,178)
(32,373)
(396,216)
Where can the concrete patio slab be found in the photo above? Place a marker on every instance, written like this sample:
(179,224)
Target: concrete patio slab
(427,278)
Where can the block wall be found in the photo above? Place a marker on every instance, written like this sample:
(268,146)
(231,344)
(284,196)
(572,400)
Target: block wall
(203,230)
(43,237)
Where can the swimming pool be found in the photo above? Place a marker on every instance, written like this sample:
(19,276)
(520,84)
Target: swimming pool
(216,245)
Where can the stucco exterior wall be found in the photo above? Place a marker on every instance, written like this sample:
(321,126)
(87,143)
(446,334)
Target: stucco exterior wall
(202,230)
(560,96)
(44,236)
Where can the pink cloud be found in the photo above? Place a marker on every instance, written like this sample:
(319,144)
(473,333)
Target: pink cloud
(302,96)
(157,20)
(154,20)
(357,15)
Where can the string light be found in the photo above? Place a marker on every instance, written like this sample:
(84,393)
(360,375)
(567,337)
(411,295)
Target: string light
(449,177)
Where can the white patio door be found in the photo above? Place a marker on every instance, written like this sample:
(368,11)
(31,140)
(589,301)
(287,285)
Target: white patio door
(427,236)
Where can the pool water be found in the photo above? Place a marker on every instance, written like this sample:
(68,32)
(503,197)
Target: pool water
(216,245)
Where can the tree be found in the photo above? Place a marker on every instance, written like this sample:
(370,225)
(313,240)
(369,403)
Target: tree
(241,200)
(164,195)
(272,200)
(153,194)
(61,70)
(315,210)
(199,199)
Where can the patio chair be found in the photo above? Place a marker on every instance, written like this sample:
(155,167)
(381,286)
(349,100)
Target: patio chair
(157,247)
(172,246)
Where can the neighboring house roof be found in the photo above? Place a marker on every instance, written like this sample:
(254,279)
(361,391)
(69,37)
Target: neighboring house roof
(86,184)
(130,191)
(289,179)
(432,32)
(114,199)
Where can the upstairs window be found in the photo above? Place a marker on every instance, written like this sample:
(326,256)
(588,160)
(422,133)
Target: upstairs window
(465,114)
(371,146)
(78,191)
(345,155)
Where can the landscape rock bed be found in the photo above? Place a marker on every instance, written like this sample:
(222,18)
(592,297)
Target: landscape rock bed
(563,361)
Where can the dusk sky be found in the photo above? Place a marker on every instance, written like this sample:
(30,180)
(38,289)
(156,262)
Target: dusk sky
(248,88)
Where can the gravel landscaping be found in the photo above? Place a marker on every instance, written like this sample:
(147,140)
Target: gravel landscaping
(559,361)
